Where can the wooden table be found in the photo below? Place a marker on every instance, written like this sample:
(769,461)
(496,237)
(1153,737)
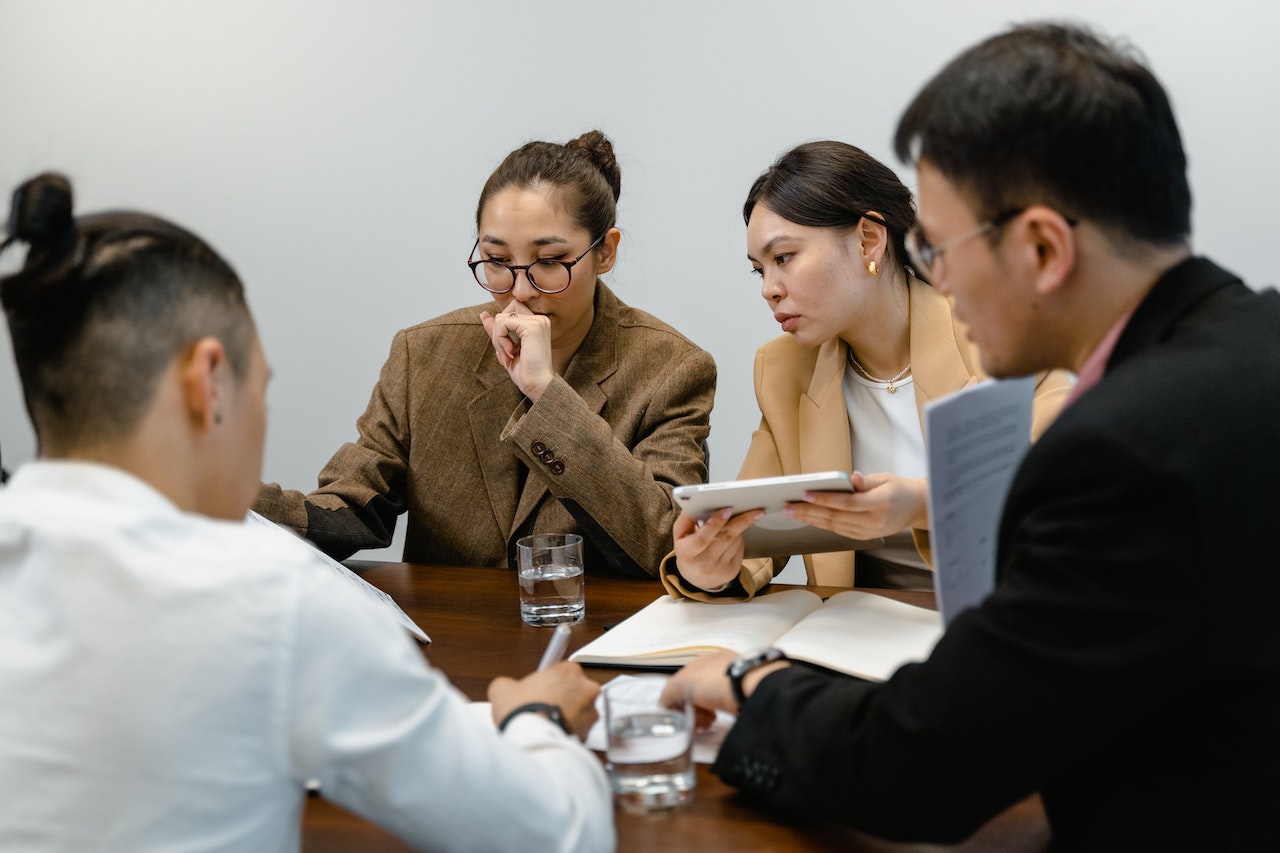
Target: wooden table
(472,616)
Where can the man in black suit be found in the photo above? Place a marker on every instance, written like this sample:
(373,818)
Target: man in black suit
(1128,664)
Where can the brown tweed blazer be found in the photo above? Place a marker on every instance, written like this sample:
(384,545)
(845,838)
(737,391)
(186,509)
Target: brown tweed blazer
(448,438)
(804,423)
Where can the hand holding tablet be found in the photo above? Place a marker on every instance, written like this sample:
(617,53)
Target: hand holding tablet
(773,535)
(768,493)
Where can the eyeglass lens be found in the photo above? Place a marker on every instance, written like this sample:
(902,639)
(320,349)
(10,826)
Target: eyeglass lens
(547,276)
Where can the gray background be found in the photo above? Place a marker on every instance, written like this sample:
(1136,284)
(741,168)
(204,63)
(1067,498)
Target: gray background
(334,151)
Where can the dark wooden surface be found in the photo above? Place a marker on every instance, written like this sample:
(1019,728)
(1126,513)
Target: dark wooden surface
(472,616)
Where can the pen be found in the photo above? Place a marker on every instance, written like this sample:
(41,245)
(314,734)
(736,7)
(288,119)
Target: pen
(555,648)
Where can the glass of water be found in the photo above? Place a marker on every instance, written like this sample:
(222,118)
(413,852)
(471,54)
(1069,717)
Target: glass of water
(549,566)
(650,746)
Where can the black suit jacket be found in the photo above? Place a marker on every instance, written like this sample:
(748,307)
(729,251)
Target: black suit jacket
(1128,664)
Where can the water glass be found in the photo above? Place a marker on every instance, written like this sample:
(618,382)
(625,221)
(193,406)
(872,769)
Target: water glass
(649,750)
(549,566)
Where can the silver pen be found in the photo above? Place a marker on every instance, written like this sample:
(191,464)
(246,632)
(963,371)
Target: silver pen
(556,647)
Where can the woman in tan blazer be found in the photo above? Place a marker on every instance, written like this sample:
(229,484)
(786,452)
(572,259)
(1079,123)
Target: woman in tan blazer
(867,346)
(555,407)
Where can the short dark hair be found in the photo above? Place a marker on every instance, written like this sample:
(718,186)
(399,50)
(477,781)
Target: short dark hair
(584,171)
(102,305)
(1050,113)
(829,184)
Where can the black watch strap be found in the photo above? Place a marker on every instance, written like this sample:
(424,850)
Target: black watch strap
(551,712)
(744,664)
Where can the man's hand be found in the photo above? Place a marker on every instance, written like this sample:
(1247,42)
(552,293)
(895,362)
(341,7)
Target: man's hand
(708,675)
(563,685)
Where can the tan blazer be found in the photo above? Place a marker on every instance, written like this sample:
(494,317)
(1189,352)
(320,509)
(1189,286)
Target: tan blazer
(449,438)
(804,422)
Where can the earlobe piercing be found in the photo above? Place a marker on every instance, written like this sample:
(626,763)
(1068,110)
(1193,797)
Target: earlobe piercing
(872,268)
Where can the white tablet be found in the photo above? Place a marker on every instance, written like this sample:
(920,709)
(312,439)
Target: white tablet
(775,535)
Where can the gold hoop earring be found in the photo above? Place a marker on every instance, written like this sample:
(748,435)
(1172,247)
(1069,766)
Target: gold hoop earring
(872,268)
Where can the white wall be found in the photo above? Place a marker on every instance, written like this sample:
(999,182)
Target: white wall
(334,151)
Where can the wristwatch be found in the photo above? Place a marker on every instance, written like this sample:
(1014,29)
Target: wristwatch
(551,712)
(744,664)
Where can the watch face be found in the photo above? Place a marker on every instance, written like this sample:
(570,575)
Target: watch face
(744,662)
(555,715)
(751,660)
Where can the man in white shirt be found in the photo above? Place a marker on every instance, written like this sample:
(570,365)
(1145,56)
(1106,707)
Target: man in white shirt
(171,678)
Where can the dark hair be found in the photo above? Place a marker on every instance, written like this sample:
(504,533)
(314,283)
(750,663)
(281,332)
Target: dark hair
(102,305)
(831,184)
(1049,113)
(584,171)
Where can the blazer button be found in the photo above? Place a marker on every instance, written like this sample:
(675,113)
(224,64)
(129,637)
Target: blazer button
(538,448)
(547,457)
(557,467)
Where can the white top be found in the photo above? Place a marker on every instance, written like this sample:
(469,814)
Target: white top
(887,437)
(170,682)
(886,427)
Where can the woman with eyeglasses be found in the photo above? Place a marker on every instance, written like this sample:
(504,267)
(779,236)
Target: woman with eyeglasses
(553,408)
(867,344)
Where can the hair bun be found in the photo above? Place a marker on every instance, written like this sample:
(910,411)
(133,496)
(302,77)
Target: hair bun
(41,212)
(597,146)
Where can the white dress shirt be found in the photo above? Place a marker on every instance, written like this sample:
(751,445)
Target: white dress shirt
(170,682)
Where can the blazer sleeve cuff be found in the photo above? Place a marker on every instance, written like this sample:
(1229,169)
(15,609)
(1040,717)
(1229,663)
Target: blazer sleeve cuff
(921,540)
(742,588)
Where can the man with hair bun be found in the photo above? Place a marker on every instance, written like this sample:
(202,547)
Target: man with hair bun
(1127,666)
(170,677)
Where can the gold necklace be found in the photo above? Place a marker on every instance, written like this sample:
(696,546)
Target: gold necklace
(888,383)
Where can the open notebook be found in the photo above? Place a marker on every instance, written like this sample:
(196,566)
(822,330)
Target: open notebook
(857,633)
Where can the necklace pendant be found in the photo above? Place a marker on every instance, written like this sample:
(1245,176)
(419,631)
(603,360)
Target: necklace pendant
(892,389)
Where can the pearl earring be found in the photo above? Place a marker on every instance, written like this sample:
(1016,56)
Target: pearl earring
(872,268)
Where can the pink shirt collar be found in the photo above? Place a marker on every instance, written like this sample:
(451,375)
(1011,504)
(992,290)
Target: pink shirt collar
(1096,364)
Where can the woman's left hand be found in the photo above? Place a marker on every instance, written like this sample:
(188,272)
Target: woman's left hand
(882,505)
(522,342)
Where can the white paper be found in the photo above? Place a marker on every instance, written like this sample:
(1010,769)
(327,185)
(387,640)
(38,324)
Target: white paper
(645,692)
(351,577)
(976,440)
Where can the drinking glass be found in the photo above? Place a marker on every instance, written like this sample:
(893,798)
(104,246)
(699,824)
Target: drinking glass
(650,745)
(549,566)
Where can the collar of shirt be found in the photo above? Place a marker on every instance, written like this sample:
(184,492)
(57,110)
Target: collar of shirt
(1096,364)
(94,480)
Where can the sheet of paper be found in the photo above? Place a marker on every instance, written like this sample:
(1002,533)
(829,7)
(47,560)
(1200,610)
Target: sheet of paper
(646,690)
(976,439)
(350,577)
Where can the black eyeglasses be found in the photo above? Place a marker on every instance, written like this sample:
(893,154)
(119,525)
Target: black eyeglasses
(545,274)
(924,256)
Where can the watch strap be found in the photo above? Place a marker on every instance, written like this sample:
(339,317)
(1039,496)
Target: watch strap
(742,665)
(551,712)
